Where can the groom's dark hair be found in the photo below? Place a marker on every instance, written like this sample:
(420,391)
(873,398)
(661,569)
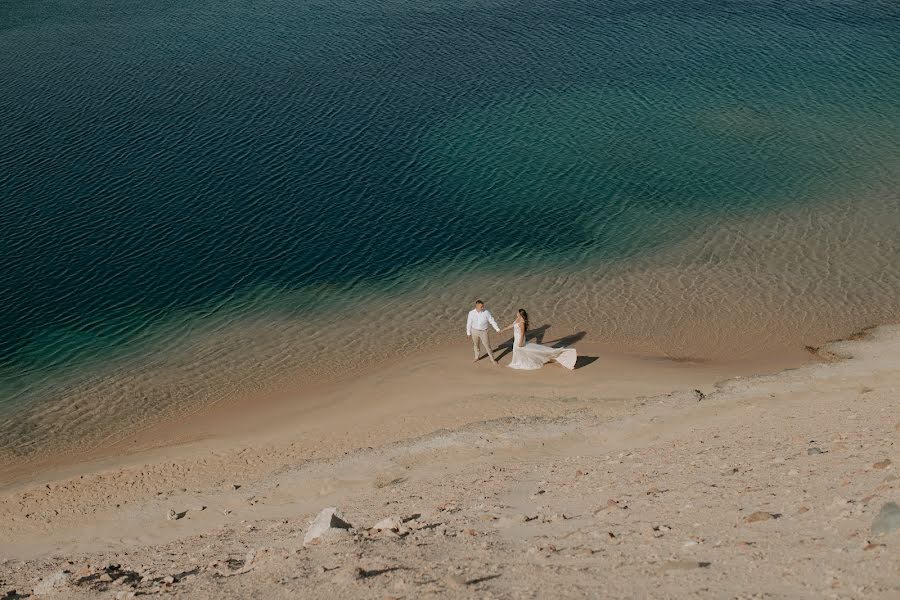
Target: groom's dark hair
(479,302)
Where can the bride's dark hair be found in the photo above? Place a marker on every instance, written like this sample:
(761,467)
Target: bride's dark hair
(524,314)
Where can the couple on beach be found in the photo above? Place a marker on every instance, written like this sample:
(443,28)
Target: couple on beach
(525,355)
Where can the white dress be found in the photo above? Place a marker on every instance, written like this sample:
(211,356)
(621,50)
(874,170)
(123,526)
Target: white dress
(534,356)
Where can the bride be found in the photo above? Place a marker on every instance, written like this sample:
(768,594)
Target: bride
(534,356)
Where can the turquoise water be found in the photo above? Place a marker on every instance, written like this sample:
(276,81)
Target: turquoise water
(170,172)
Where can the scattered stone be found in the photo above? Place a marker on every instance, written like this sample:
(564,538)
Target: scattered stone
(99,579)
(328,519)
(51,584)
(887,520)
(884,464)
(761,516)
(391,523)
(83,572)
(244,566)
(174,516)
(814,450)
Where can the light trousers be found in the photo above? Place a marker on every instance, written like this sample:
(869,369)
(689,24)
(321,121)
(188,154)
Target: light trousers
(481,336)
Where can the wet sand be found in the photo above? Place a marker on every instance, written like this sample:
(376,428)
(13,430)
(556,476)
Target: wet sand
(747,295)
(406,398)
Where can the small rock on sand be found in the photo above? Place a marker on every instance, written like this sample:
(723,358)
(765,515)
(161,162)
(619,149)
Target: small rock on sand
(327,520)
(761,516)
(884,464)
(51,584)
(887,520)
(391,523)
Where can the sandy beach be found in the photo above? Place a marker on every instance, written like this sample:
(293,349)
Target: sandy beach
(240,241)
(631,477)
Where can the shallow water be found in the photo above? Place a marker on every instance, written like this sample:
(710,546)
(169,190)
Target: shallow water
(209,201)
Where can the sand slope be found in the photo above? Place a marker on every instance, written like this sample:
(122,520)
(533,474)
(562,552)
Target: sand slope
(767,487)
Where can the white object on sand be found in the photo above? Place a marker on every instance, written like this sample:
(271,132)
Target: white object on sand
(327,520)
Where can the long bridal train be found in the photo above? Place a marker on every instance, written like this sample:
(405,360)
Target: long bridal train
(534,356)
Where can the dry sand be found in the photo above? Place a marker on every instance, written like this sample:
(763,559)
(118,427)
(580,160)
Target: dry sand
(603,482)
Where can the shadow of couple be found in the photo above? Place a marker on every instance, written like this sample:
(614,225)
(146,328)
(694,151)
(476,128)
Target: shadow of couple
(537,334)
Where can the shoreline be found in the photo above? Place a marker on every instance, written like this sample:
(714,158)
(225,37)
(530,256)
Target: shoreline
(610,373)
(711,295)
(582,468)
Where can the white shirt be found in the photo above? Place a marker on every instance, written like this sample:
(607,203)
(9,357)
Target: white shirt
(480,320)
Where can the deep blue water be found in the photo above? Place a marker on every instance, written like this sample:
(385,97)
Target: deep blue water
(163,157)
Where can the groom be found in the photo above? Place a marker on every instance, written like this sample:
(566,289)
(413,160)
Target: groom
(477,329)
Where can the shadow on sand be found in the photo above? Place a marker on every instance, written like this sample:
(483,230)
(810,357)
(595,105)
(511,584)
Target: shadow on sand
(584,361)
(536,335)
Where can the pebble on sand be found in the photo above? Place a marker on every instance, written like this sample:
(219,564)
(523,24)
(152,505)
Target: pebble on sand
(51,584)
(761,515)
(887,520)
(392,523)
